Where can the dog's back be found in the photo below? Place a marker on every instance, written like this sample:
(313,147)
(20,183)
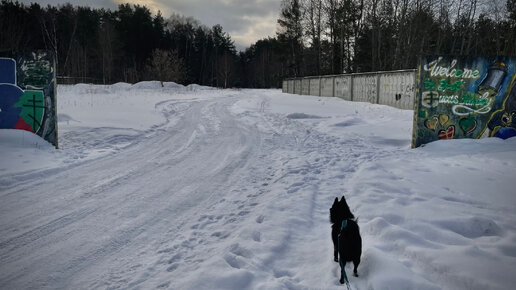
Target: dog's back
(350,242)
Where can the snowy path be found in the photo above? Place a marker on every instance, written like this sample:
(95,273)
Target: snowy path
(232,192)
(181,188)
(111,207)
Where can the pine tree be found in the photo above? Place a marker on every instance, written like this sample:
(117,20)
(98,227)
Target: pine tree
(291,34)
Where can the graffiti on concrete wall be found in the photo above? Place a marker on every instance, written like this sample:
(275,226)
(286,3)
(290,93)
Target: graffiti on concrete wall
(343,87)
(464,97)
(365,88)
(397,89)
(27,94)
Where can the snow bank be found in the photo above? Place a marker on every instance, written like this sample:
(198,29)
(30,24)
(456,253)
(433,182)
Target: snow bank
(22,151)
(195,87)
(148,85)
(173,85)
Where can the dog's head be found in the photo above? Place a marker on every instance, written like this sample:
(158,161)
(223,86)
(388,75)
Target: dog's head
(340,211)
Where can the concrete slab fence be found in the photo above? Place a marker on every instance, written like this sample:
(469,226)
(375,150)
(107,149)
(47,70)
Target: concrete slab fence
(392,88)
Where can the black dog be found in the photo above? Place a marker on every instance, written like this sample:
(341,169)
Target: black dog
(346,236)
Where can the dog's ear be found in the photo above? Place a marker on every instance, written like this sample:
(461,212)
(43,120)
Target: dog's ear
(343,199)
(336,201)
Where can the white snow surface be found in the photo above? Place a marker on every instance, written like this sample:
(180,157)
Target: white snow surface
(176,187)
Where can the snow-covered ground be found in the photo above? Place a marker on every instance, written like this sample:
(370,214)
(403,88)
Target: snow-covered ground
(192,188)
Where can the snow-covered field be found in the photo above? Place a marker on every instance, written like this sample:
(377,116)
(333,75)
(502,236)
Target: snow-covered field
(192,188)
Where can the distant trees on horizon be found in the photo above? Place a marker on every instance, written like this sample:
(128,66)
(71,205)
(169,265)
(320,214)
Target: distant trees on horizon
(313,37)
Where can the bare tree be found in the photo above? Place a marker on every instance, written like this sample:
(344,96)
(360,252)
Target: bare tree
(166,65)
(48,23)
(314,25)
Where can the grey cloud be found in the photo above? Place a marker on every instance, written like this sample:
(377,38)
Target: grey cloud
(233,14)
(236,17)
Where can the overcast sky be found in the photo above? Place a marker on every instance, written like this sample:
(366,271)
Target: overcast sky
(245,20)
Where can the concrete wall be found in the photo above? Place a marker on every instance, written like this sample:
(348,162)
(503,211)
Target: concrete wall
(305,86)
(28,93)
(343,87)
(394,88)
(284,86)
(327,86)
(290,84)
(315,86)
(365,88)
(475,99)
(297,86)
(397,89)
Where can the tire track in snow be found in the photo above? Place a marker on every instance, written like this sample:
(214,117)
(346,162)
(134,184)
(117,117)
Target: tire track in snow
(106,191)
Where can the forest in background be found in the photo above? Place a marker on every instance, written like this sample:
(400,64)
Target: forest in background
(313,37)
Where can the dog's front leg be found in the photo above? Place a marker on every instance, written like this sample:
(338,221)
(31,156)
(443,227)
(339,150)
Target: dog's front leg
(335,238)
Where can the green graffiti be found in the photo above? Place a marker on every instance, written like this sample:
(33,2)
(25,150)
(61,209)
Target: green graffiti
(472,99)
(36,72)
(444,85)
(468,125)
(449,99)
(430,99)
(460,96)
(423,114)
(429,84)
(437,69)
(32,104)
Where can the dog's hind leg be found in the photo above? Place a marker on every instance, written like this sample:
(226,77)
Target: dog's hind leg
(343,276)
(356,262)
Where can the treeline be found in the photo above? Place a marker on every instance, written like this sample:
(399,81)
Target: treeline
(129,44)
(335,36)
(313,37)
